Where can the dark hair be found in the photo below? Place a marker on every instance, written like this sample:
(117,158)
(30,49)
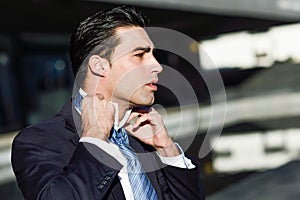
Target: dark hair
(98,28)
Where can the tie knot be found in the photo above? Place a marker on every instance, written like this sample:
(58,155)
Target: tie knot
(119,137)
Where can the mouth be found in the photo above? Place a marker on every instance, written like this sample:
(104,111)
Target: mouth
(152,85)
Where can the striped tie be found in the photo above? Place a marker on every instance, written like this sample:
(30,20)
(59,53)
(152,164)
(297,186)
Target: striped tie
(141,186)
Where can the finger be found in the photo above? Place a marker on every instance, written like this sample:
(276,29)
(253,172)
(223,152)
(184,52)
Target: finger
(86,101)
(133,116)
(152,110)
(100,96)
(142,119)
(133,119)
(87,105)
(94,99)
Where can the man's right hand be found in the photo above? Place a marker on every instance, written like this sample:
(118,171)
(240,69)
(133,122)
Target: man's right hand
(97,117)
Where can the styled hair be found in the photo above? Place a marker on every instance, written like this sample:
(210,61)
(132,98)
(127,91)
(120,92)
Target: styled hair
(99,29)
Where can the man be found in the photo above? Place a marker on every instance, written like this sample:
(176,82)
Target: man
(114,146)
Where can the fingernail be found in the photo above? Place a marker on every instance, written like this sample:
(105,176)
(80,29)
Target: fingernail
(100,96)
(133,120)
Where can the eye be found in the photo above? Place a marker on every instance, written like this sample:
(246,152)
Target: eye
(139,55)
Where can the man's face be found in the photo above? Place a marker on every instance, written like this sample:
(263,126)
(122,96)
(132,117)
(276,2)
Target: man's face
(131,79)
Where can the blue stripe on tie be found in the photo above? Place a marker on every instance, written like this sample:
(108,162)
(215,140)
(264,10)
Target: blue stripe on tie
(141,186)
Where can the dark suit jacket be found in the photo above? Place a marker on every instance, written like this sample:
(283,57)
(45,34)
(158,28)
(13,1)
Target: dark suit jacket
(50,163)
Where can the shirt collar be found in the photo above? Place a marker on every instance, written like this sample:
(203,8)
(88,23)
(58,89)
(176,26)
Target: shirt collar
(117,124)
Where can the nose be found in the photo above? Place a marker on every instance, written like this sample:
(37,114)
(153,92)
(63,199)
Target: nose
(155,66)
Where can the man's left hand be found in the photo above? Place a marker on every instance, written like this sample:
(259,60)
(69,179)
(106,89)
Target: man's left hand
(147,125)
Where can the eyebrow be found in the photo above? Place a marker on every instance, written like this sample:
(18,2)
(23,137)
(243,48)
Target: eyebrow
(145,49)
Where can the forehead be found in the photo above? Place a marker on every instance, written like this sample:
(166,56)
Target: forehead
(130,39)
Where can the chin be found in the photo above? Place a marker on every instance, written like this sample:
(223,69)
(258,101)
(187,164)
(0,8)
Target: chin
(143,102)
(149,102)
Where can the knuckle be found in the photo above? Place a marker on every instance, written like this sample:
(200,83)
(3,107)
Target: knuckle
(100,96)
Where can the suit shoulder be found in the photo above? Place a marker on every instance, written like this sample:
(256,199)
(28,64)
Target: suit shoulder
(51,128)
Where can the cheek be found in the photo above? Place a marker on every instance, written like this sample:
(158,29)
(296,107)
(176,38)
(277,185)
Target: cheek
(131,80)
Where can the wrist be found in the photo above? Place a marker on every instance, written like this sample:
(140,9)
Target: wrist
(168,150)
(94,132)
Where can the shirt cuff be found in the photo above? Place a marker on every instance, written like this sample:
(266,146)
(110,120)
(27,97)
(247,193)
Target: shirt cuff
(179,161)
(108,147)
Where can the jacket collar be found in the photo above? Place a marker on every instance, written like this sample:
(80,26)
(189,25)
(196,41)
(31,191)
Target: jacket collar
(70,116)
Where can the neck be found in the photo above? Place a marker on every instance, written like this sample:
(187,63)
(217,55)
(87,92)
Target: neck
(91,88)
(121,115)
(122,109)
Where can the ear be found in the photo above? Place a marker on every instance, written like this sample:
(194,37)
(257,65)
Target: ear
(98,65)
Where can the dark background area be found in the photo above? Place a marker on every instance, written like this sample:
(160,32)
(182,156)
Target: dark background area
(35,35)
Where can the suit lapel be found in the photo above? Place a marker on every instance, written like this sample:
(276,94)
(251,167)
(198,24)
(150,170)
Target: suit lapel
(70,116)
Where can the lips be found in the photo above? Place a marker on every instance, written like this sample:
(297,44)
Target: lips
(152,85)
